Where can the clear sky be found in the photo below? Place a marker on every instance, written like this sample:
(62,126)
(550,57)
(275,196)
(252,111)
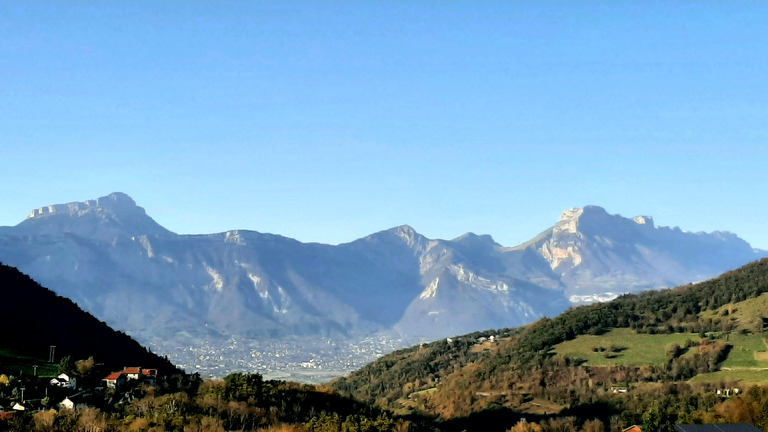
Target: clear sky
(328,121)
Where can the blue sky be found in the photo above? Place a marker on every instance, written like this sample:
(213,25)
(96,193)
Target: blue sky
(327,121)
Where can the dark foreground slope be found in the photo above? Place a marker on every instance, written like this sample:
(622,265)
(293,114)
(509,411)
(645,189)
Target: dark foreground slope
(520,371)
(34,318)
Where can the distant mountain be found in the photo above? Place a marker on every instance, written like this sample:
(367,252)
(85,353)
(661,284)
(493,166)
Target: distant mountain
(111,258)
(34,318)
(598,256)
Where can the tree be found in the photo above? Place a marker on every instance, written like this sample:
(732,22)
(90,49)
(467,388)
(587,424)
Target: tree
(84,367)
(43,420)
(66,365)
(593,426)
(243,386)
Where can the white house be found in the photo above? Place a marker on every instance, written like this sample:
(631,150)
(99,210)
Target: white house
(132,373)
(65,381)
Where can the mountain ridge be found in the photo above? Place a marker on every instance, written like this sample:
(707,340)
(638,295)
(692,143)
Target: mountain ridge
(114,260)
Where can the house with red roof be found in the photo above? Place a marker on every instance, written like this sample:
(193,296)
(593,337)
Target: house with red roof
(132,373)
(118,379)
(115,380)
(149,375)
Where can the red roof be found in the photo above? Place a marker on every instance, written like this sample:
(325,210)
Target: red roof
(113,376)
(132,370)
(149,372)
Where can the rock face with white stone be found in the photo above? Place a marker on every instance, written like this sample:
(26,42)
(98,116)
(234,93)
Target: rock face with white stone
(110,257)
(598,256)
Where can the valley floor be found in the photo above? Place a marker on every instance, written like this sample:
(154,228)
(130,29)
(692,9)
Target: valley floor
(302,359)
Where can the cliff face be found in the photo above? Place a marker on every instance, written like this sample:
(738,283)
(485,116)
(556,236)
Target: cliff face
(598,255)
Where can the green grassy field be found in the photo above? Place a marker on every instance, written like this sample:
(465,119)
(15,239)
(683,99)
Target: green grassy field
(13,363)
(742,363)
(746,314)
(742,354)
(641,349)
(742,375)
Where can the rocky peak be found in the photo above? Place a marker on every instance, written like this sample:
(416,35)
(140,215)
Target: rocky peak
(105,217)
(572,219)
(408,234)
(117,202)
(644,220)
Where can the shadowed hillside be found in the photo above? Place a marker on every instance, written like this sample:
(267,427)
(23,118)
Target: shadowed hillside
(34,318)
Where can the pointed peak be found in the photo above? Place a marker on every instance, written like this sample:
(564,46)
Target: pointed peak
(117,198)
(403,229)
(402,233)
(407,233)
(473,238)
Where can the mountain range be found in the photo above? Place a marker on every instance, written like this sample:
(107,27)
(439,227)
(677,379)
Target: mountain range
(116,262)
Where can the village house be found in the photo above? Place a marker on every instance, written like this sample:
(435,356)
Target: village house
(67,404)
(118,379)
(727,392)
(115,380)
(132,373)
(64,381)
(149,375)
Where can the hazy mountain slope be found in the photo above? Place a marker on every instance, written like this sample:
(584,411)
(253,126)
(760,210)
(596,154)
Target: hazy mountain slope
(596,254)
(110,257)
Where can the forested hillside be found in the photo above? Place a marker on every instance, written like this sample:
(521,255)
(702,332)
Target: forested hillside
(35,318)
(519,369)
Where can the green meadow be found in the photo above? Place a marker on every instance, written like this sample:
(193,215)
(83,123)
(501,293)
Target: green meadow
(634,349)
(747,360)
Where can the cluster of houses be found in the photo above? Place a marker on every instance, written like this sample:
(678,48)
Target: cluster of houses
(119,379)
(69,385)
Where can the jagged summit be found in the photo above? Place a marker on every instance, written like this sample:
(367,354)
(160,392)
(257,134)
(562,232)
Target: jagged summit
(106,217)
(402,233)
(592,219)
